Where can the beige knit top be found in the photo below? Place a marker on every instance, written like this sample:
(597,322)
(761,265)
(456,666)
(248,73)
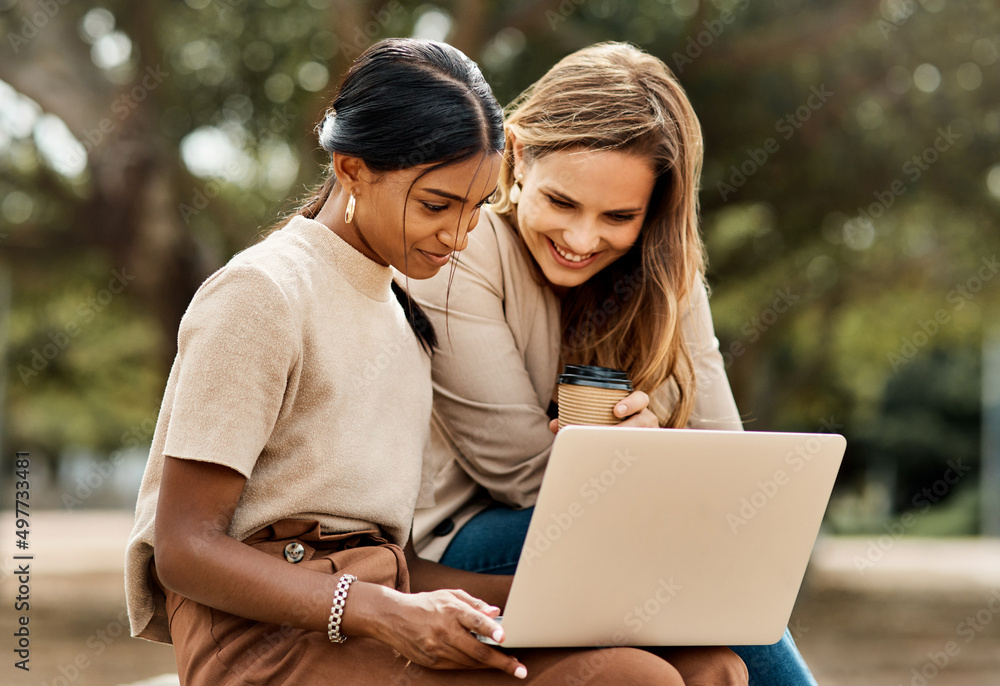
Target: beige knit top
(495,374)
(296,368)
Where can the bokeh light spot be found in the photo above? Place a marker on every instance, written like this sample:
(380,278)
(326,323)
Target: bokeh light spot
(111,51)
(970,76)
(869,115)
(685,8)
(58,147)
(258,56)
(96,24)
(897,11)
(279,167)
(279,88)
(859,233)
(927,78)
(605,9)
(17,207)
(212,152)
(18,113)
(993,181)
(195,55)
(822,272)
(238,108)
(505,46)
(432,25)
(313,76)
(984,51)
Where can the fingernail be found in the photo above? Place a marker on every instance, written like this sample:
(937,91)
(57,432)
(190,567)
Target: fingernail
(497,635)
(522,671)
(621,409)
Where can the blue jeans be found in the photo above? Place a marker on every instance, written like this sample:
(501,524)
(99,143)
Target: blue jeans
(490,543)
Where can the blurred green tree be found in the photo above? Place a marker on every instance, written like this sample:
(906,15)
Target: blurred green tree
(850,188)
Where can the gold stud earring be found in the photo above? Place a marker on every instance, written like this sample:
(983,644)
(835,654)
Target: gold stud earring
(349,214)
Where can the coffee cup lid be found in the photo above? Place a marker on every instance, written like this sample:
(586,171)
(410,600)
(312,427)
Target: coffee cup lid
(594,376)
(590,370)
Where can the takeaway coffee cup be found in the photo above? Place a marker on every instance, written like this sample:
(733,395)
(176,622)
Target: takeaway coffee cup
(588,394)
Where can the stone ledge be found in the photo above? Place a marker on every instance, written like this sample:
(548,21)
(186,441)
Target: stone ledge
(886,564)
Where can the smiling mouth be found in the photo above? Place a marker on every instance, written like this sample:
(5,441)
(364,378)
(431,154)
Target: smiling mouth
(571,256)
(435,258)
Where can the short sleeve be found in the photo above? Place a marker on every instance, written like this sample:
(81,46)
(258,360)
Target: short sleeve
(236,347)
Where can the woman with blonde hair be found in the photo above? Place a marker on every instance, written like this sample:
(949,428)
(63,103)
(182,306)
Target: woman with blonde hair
(590,254)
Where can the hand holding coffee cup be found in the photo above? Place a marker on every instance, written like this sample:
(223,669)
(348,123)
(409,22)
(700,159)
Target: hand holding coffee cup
(588,395)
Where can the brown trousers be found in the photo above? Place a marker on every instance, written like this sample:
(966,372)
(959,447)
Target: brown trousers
(214,648)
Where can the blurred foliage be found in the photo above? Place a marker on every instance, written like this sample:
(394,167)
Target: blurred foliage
(850,189)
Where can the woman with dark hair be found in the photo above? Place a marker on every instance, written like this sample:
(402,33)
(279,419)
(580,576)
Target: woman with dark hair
(590,254)
(279,492)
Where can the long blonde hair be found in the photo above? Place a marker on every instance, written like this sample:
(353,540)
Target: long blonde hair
(614,96)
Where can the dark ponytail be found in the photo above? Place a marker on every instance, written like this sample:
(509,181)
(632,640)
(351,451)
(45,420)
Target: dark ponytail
(415,316)
(407,102)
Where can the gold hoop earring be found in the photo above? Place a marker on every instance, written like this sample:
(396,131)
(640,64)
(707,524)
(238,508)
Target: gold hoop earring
(349,214)
(515,191)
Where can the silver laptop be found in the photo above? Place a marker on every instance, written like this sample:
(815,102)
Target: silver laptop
(649,537)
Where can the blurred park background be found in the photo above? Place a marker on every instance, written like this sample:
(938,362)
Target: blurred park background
(850,201)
